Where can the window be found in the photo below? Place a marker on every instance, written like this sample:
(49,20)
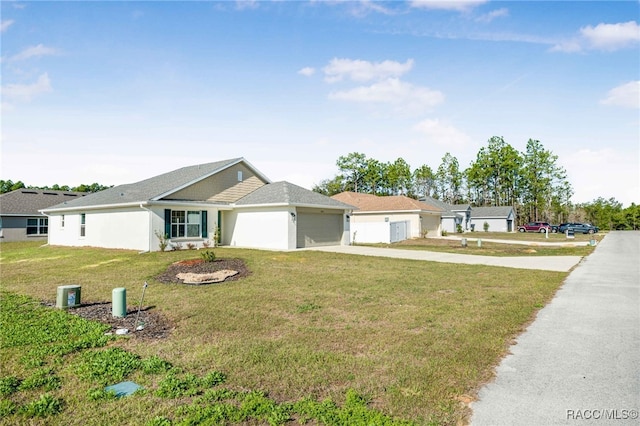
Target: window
(83,218)
(62,221)
(37,226)
(239,175)
(185,224)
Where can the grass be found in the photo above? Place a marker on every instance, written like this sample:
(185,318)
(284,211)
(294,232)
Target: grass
(308,335)
(535,245)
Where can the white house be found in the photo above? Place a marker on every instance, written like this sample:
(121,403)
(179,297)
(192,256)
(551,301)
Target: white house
(453,215)
(389,219)
(498,219)
(229,201)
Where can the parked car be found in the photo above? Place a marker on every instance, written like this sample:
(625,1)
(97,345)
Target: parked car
(535,227)
(585,228)
(554,228)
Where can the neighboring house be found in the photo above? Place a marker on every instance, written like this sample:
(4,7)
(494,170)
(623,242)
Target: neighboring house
(389,219)
(499,218)
(229,201)
(453,215)
(20,217)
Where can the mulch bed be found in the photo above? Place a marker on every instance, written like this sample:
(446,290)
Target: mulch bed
(156,326)
(198,266)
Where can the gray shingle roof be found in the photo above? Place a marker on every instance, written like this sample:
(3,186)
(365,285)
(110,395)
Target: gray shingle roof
(289,194)
(152,188)
(28,202)
(497,211)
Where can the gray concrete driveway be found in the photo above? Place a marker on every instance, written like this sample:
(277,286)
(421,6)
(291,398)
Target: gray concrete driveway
(546,263)
(579,361)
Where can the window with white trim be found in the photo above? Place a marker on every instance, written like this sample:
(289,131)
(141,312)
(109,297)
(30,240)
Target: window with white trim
(185,224)
(37,226)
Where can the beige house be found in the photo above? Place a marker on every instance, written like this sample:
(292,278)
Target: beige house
(227,202)
(390,219)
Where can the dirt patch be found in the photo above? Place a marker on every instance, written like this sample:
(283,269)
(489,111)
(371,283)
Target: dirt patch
(198,266)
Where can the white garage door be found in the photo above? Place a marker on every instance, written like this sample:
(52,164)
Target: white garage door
(318,229)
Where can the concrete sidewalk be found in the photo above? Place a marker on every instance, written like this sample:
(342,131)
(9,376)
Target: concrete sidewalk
(579,361)
(545,263)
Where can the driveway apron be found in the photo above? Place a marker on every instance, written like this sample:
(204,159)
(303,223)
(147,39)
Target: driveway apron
(578,363)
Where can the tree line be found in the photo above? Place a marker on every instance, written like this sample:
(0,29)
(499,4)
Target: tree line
(532,182)
(9,185)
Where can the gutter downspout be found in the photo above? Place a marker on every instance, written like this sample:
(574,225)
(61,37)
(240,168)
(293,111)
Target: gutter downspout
(150,226)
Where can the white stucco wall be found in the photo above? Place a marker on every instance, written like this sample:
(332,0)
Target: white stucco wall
(123,229)
(431,224)
(265,228)
(495,225)
(375,228)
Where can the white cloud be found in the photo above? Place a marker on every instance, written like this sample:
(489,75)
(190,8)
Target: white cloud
(458,5)
(358,70)
(4,26)
(34,51)
(612,36)
(442,133)
(307,71)
(603,173)
(488,17)
(607,37)
(26,92)
(247,4)
(626,95)
(392,91)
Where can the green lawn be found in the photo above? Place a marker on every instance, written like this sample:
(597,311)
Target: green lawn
(322,332)
(535,247)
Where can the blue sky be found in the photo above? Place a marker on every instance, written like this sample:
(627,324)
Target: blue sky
(116,92)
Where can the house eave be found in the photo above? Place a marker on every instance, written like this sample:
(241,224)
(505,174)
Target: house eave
(94,207)
(417,211)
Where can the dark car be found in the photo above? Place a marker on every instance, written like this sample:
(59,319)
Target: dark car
(585,228)
(535,227)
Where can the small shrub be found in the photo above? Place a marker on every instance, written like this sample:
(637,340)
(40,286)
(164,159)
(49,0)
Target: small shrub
(191,246)
(46,405)
(444,233)
(176,246)
(8,385)
(163,240)
(206,244)
(459,229)
(485,226)
(208,256)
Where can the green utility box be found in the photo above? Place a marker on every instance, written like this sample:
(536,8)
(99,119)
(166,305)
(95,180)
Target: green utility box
(119,304)
(68,296)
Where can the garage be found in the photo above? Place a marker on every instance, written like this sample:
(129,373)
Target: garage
(318,228)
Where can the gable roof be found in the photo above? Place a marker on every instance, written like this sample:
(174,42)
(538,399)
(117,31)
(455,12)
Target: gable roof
(374,203)
(154,188)
(285,193)
(497,211)
(28,202)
